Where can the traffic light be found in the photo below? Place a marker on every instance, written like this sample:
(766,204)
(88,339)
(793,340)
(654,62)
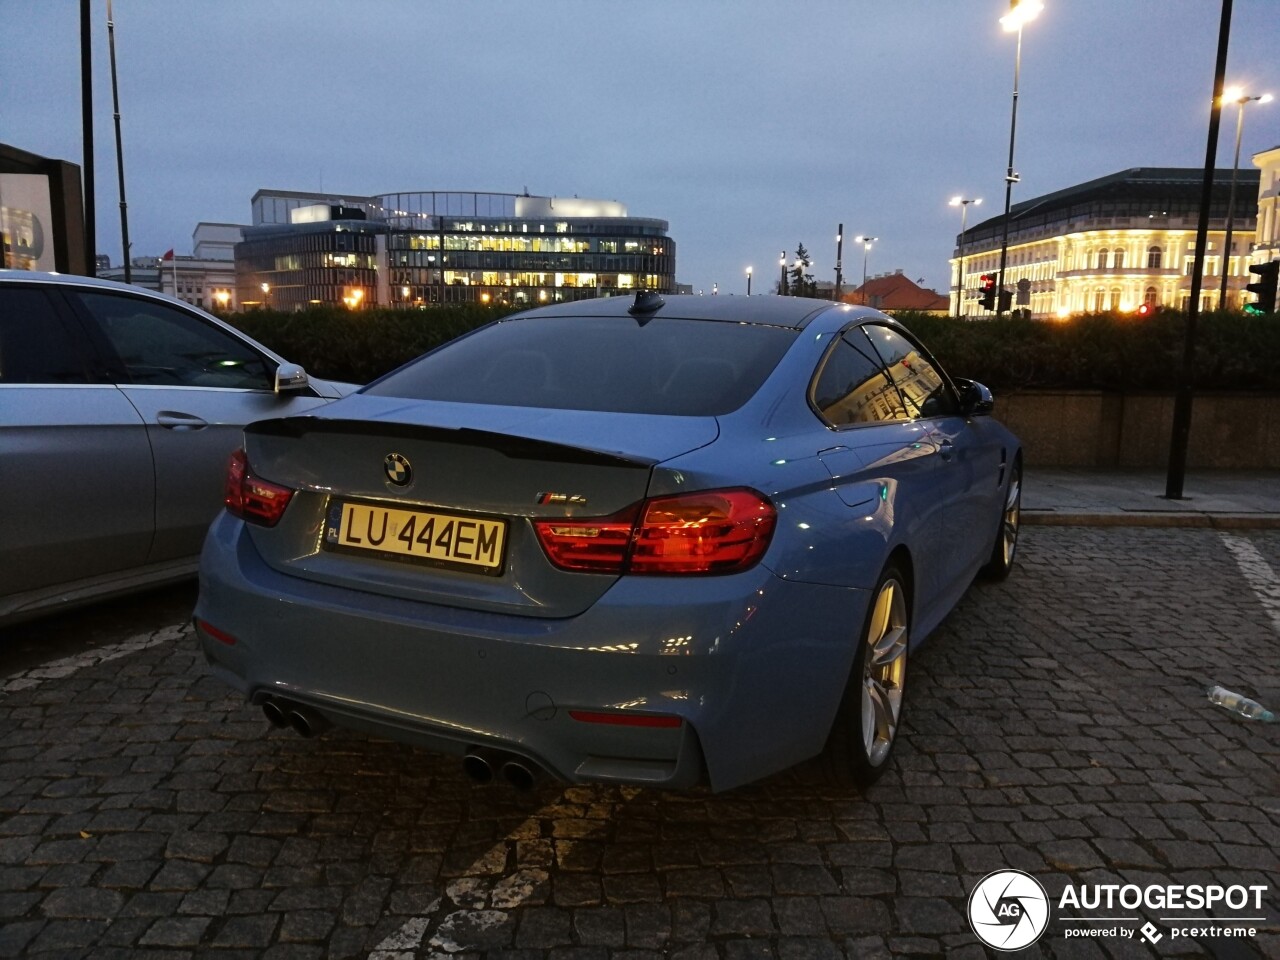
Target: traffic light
(988,289)
(1265,288)
(1006,298)
(1145,310)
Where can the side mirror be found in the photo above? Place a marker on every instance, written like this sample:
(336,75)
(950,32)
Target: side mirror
(291,378)
(975,399)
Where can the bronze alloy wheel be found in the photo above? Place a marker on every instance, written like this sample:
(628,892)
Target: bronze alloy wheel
(1006,545)
(866,727)
(884,672)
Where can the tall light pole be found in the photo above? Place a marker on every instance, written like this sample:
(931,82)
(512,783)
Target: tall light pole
(1240,98)
(86,153)
(839,258)
(115,100)
(1182,401)
(866,247)
(782,267)
(963,204)
(1021,12)
(748,281)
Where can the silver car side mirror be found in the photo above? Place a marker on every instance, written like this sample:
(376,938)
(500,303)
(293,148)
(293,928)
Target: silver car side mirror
(290,378)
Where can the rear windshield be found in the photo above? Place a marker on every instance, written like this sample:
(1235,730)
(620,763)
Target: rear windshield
(666,366)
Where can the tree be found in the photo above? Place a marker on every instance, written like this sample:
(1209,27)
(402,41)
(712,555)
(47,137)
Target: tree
(802,283)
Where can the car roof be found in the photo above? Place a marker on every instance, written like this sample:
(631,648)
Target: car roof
(792,312)
(74,279)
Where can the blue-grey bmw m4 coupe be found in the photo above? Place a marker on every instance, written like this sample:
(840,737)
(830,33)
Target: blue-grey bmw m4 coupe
(662,542)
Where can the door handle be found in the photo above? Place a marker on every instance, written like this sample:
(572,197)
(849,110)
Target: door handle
(946,449)
(181,421)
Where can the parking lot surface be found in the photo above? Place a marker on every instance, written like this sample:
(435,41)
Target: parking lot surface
(1056,724)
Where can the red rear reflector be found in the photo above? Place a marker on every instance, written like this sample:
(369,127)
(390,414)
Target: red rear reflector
(626,719)
(219,635)
(251,498)
(713,531)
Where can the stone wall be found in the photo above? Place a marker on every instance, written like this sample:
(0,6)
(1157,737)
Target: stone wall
(1092,428)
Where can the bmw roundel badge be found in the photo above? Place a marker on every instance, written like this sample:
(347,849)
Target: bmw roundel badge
(398,469)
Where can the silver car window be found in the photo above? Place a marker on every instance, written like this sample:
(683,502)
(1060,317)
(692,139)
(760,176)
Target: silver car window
(35,347)
(851,386)
(159,344)
(922,384)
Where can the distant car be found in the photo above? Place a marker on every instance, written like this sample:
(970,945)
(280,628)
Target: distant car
(648,543)
(118,410)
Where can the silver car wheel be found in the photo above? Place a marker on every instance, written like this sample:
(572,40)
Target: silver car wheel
(1011,519)
(884,672)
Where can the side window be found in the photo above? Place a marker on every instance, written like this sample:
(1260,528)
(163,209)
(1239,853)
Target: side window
(851,386)
(923,386)
(161,345)
(35,347)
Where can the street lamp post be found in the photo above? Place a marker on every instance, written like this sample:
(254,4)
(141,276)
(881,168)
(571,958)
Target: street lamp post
(963,204)
(839,258)
(866,247)
(782,268)
(1240,98)
(1021,12)
(748,281)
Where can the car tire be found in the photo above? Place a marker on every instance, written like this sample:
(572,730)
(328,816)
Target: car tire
(865,730)
(1005,549)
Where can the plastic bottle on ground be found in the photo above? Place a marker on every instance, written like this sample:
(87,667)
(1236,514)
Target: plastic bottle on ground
(1238,703)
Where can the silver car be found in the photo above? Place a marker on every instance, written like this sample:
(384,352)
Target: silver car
(118,410)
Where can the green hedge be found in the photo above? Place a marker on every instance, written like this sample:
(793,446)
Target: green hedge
(358,346)
(1096,351)
(1234,351)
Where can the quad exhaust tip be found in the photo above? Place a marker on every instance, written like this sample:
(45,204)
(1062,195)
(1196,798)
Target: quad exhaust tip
(482,765)
(303,720)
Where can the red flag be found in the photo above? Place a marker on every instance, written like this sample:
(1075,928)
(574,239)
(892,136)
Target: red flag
(168,255)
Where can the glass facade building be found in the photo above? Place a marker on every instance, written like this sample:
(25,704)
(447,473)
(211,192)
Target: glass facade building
(291,267)
(431,247)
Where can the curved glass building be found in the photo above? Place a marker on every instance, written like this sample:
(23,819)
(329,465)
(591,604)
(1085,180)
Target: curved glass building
(450,247)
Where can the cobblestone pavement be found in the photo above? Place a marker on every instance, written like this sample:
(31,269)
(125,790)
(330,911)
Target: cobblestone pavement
(1055,723)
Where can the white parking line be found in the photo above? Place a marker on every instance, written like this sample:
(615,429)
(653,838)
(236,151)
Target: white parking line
(64,667)
(1258,573)
(483,900)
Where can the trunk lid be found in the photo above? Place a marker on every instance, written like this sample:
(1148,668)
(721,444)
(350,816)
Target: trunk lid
(377,475)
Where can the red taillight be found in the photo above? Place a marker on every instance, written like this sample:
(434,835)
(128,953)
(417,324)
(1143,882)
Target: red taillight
(714,531)
(598,545)
(251,498)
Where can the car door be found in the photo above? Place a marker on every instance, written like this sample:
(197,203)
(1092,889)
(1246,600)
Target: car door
(874,449)
(77,491)
(195,384)
(969,464)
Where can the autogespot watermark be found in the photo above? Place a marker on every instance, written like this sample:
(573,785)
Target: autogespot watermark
(1009,910)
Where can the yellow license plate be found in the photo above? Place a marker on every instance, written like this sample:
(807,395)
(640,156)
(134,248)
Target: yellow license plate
(440,539)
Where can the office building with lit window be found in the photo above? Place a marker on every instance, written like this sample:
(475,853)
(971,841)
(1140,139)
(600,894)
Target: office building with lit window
(1114,243)
(430,247)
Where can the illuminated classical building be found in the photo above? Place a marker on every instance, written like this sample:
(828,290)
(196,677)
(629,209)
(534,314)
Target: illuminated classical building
(1267,242)
(427,247)
(1114,243)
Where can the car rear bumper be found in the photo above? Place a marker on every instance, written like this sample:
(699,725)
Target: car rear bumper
(752,665)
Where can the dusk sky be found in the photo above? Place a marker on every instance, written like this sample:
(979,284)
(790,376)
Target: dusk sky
(749,126)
